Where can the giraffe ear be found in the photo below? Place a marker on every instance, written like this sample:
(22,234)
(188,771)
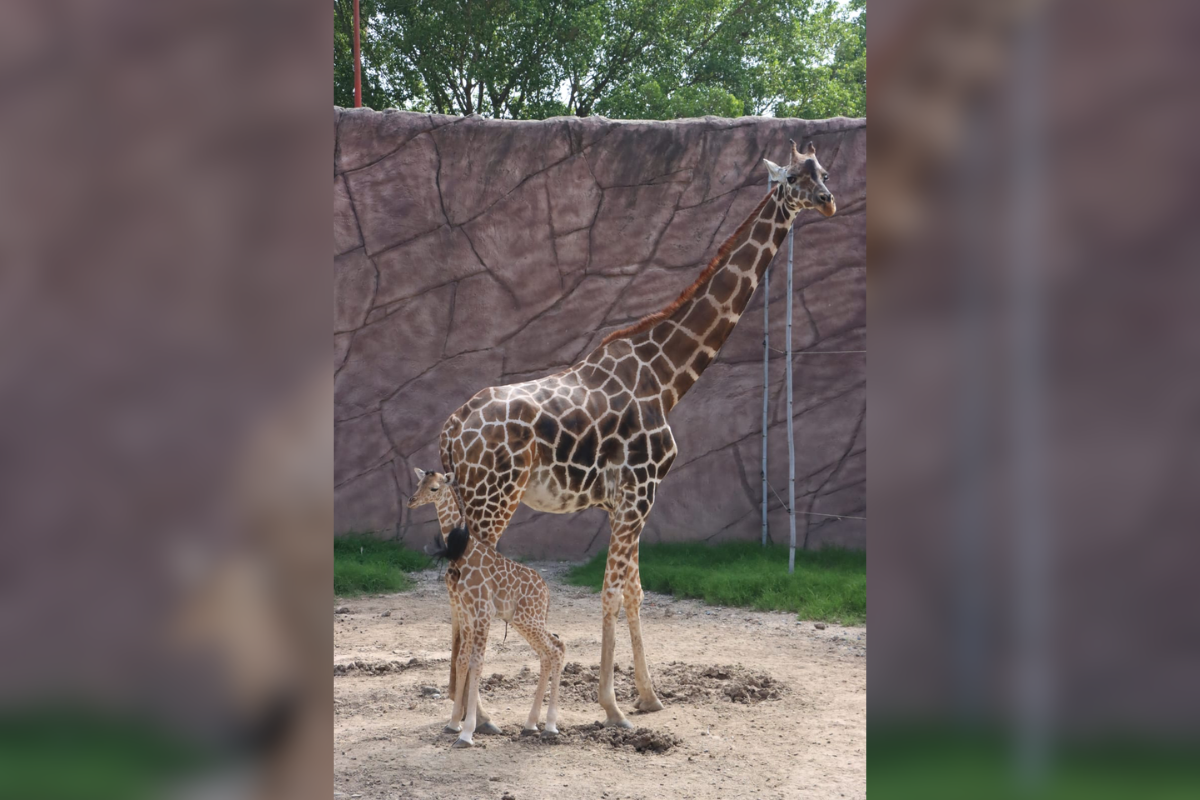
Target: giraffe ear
(420,473)
(776,172)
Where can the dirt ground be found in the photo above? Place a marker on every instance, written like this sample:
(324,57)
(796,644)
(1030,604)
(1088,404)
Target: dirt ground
(757,704)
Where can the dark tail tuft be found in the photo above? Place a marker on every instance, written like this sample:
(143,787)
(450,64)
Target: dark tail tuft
(450,548)
(456,543)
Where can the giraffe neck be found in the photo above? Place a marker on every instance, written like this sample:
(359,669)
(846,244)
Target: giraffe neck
(450,515)
(694,333)
(449,510)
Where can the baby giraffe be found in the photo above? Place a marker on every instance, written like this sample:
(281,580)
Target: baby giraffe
(484,584)
(432,488)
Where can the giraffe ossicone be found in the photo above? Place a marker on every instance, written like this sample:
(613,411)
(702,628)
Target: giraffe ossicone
(596,435)
(483,585)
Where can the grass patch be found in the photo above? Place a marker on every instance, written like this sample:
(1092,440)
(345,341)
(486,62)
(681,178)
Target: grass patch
(364,564)
(828,585)
(945,763)
(64,754)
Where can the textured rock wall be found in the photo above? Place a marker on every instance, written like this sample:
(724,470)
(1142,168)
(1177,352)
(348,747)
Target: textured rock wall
(472,252)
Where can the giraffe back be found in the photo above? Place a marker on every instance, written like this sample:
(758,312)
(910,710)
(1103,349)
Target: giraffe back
(510,588)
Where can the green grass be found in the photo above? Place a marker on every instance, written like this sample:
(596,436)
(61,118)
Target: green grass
(828,585)
(66,753)
(364,564)
(931,763)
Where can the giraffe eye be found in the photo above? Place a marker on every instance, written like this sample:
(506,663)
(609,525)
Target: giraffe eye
(435,488)
(791,178)
(824,176)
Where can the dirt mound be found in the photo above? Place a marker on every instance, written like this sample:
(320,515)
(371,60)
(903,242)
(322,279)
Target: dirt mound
(497,681)
(641,740)
(694,683)
(678,682)
(377,667)
(579,682)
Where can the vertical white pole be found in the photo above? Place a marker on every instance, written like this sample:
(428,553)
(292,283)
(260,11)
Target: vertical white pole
(791,435)
(766,391)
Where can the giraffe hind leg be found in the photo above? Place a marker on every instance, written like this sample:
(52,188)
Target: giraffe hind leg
(557,657)
(535,634)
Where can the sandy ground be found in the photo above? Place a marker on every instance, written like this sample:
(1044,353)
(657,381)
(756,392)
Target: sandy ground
(757,705)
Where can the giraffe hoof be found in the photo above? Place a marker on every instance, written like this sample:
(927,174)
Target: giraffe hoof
(488,729)
(648,706)
(451,729)
(530,731)
(549,734)
(618,723)
(460,744)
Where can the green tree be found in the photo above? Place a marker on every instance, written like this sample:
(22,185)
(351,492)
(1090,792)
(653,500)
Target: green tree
(654,59)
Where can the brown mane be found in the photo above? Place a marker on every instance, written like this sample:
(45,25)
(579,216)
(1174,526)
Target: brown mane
(650,320)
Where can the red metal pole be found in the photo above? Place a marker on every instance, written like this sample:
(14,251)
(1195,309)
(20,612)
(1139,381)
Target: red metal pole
(357,62)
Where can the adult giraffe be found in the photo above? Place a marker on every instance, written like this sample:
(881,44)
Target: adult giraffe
(597,435)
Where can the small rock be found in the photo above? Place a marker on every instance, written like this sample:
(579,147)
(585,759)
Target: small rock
(430,691)
(386,614)
(507,796)
(342,610)
(819,626)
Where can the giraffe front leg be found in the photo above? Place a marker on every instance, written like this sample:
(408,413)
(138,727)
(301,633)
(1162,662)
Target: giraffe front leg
(458,656)
(455,645)
(624,545)
(460,683)
(485,726)
(647,700)
(610,601)
(479,635)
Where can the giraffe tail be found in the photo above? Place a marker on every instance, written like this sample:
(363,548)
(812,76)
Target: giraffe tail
(451,547)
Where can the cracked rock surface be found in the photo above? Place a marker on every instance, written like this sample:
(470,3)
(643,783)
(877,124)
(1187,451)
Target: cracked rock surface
(472,252)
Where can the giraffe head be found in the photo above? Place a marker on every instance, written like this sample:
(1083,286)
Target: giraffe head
(430,485)
(802,181)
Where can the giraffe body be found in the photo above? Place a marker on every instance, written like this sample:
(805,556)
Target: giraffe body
(596,434)
(484,585)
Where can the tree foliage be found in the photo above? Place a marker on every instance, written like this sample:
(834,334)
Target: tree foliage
(627,59)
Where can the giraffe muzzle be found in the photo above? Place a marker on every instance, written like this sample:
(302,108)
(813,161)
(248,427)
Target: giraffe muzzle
(826,205)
